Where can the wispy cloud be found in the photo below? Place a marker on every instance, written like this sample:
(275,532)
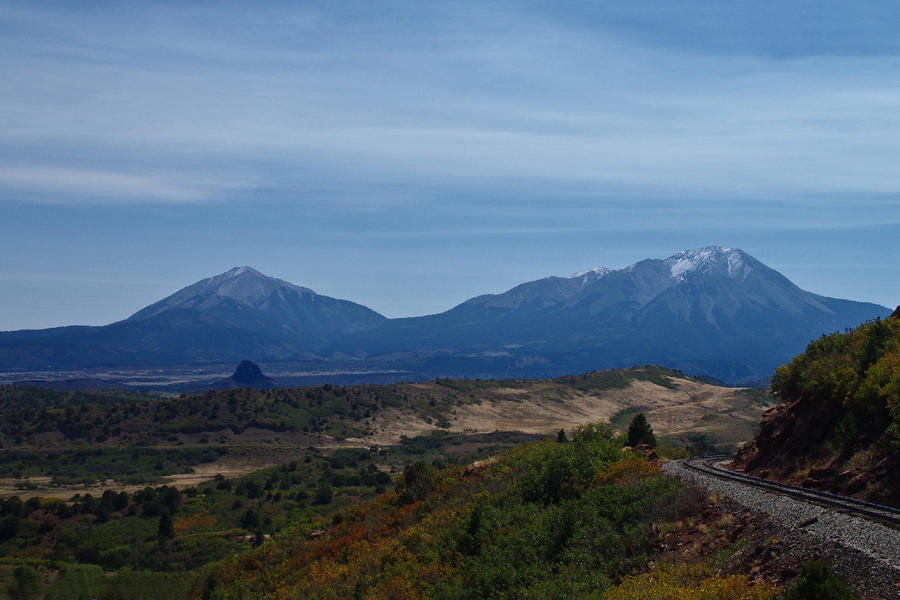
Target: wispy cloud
(481,94)
(89,185)
(385,145)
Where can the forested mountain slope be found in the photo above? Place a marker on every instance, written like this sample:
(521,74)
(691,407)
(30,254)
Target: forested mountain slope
(546,520)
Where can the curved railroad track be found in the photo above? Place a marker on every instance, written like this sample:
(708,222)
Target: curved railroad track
(860,540)
(829,522)
(709,465)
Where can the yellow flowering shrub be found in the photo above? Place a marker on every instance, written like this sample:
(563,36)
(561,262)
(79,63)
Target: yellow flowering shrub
(630,470)
(688,582)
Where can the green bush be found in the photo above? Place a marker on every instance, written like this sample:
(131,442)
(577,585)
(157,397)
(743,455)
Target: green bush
(853,379)
(817,582)
(543,520)
(26,583)
(417,480)
(79,582)
(324,494)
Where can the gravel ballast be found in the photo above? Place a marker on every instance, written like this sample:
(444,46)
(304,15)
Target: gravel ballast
(864,551)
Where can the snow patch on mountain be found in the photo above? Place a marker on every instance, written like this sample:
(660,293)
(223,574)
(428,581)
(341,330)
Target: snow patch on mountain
(712,259)
(596,271)
(591,275)
(244,285)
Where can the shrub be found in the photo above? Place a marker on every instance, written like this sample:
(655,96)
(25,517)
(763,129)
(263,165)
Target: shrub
(697,582)
(416,482)
(818,582)
(26,583)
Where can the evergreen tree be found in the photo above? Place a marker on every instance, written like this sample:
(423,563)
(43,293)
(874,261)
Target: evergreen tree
(210,586)
(258,538)
(324,494)
(470,539)
(166,527)
(250,520)
(640,432)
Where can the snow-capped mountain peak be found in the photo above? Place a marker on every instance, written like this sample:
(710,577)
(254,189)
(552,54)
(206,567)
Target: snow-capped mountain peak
(244,285)
(238,271)
(709,310)
(591,275)
(596,272)
(733,262)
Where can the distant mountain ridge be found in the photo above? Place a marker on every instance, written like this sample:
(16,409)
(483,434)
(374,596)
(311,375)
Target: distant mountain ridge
(245,298)
(244,285)
(713,311)
(224,318)
(709,311)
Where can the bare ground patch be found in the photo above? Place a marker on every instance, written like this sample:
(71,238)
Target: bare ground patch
(230,466)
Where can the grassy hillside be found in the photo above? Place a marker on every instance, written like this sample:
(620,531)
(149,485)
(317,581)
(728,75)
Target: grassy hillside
(41,418)
(51,439)
(549,519)
(546,520)
(838,426)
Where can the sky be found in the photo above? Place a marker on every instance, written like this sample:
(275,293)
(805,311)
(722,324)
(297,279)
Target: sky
(411,155)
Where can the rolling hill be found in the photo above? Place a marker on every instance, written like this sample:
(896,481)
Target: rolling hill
(681,409)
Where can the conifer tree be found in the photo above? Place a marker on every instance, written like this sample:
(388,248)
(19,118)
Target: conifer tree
(166,527)
(640,432)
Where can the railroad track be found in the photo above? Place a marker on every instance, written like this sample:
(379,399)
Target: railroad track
(708,465)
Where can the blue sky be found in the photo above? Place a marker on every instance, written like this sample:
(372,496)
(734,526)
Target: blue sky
(409,156)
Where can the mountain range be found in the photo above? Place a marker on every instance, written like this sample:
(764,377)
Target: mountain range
(710,311)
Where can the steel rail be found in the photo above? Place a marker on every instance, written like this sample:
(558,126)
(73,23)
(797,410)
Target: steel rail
(886,514)
(837,497)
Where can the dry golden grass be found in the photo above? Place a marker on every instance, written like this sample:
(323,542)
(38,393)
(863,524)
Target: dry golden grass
(545,407)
